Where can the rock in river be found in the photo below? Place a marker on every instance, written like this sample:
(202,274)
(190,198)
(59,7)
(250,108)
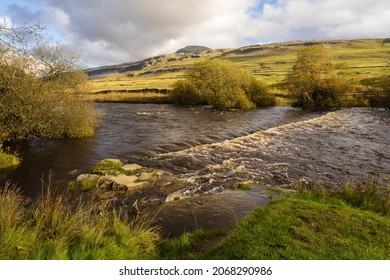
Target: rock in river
(120,182)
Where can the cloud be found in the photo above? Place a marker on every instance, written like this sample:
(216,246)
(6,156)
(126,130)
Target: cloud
(116,31)
(121,30)
(314,19)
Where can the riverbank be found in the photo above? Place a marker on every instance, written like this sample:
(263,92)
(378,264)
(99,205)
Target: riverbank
(128,97)
(318,223)
(307,225)
(7,162)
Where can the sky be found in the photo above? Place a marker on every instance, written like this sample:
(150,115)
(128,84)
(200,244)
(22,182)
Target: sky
(108,32)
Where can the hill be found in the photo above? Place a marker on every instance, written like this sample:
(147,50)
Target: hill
(193,49)
(366,59)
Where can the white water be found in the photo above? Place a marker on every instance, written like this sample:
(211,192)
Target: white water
(344,145)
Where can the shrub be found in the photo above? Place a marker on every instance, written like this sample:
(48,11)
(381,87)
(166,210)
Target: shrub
(258,93)
(185,93)
(379,97)
(33,108)
(222,85)
(37,80)
(313,82)
(386,94)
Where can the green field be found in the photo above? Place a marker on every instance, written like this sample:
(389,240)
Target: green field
(366,61)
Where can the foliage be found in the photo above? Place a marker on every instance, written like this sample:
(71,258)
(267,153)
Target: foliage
(54,228)
(383,97)
(313,82)
(36,97)
(386,97)
(222,85)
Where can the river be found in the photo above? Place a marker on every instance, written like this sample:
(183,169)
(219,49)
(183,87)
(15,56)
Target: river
(214,149)
(135,132)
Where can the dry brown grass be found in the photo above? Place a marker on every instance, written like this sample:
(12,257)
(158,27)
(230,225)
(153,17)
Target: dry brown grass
(127,97)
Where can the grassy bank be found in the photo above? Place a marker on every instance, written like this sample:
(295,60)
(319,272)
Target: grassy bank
(55,228)
(7,162)
(128,97)
(307,227)
(351,223)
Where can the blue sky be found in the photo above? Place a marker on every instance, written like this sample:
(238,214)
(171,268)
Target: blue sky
(116,31)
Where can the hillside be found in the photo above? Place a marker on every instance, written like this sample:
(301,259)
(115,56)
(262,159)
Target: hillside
(366,59)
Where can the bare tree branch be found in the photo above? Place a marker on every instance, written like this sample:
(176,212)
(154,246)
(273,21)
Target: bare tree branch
(17,37)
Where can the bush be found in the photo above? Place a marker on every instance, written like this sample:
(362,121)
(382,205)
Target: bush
(258,93)
(33,107)
(184,93)
(385,100)
(380,96)
(313,82)
(222,85)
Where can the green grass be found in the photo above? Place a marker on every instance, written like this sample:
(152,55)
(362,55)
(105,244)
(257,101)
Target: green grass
(321,223)
(55,228)
(189,245)
(308,227)
(7,163)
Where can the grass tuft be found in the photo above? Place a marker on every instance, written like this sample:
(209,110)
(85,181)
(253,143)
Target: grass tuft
(55,228)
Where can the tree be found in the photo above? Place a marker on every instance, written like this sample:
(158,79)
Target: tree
(221,84)
(15,38)
(313,82)
(36,102)
(59,66)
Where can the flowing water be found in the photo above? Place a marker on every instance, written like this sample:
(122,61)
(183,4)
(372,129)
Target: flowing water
(213,150)
(339,146)
(135,132)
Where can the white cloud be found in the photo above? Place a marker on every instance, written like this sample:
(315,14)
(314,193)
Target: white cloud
(116,31)
(311,19)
